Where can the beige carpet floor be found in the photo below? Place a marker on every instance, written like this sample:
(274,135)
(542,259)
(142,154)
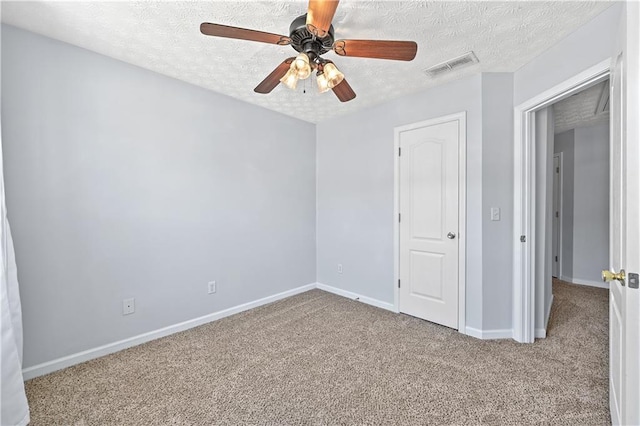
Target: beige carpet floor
(317,358)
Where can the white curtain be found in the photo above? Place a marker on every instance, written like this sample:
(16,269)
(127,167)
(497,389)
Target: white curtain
(13,401)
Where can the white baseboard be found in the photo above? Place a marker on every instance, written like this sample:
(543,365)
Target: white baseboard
(540,333)
(489,334)
(590,283)
(77,358)
(354,296)
(580,281)
(548,313)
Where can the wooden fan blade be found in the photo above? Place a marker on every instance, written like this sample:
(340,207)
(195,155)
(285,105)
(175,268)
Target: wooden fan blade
(320,15)
(344,92)
(379,49)
(273,79)
(218,30)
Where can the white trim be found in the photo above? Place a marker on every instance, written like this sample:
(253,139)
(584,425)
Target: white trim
(579,281)
(396,223)
(489,334)
(541,333)
(524,202)
(77,358)
(462,211)
(547,314)
(357,297)
(565,278)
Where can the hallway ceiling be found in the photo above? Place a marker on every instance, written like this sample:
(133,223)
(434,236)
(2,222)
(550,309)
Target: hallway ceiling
(579,110)
(164,37)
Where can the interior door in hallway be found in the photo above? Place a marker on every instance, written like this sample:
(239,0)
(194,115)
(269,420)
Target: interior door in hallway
(429,217)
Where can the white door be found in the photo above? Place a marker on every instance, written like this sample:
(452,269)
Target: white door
(624,299)
(616,291)
(555,244)
(429,217)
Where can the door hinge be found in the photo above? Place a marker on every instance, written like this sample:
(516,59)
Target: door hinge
(398,283)
(556,258)
(557,169)
(399,217)
(523,239)
(557,214)
(399,151)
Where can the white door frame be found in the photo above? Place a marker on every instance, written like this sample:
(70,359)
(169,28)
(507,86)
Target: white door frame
(524,204)
(560,210)
(462,209)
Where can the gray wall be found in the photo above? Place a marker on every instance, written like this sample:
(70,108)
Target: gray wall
(123,183)
(564,143)
(355,160)
(591,203)
(585,47)
(497,191)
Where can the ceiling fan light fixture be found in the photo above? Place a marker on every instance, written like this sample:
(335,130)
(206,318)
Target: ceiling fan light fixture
(290,79)
(332,74)
(312,35)
(323,82)
(301,66)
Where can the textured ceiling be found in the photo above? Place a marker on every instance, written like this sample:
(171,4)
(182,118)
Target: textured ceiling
(164,37)
(579,110)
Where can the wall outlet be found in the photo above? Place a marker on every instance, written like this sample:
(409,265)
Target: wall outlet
(339,268)
(128,306)
(211,287)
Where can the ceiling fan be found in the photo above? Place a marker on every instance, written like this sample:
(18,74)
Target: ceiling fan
(312,35)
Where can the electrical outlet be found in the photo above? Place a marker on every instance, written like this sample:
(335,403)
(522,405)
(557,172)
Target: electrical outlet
(339,268)
(211,287)
(128,306)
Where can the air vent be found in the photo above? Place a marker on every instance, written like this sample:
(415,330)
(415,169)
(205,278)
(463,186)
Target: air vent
(452,64)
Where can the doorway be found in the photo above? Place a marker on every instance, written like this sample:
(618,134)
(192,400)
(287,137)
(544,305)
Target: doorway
(430,220)
(572,243)
(531,189)
(582,140)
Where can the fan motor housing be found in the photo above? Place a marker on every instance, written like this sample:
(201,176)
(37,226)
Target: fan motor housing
(303,40)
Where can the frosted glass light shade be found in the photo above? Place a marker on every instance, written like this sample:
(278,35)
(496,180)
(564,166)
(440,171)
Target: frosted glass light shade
(301,66)
(323,83)
(332,74)
(290,79)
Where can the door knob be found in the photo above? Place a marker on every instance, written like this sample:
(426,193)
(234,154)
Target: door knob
(451,235)
(610,276)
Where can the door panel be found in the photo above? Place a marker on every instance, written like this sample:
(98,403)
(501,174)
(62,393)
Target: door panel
(624,299)
(616,254)
(426,204)
(429,211)
(426,275)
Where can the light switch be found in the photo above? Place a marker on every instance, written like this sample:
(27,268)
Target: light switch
(495,213)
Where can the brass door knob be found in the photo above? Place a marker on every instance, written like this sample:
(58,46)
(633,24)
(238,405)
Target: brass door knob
(610,276)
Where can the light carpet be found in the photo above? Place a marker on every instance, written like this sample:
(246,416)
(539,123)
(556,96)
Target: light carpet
(317,358)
